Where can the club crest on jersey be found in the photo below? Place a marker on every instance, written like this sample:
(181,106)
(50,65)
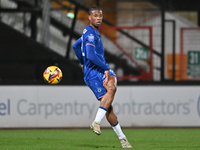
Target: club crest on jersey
(90,37)
(99,90)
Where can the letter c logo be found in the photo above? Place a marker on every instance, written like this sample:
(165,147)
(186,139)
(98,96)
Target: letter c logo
(99,90)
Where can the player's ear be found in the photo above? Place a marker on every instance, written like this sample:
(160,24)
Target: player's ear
(89,17)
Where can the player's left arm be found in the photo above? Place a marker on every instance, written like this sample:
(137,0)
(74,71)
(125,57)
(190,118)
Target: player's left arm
(91,55)
(106,76)
(91,39)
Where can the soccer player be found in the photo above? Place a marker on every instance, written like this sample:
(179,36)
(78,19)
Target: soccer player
(97,74)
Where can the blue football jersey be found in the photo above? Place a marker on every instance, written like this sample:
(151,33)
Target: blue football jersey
(91,37)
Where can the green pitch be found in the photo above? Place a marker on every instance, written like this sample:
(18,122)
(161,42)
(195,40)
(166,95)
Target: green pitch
(82,139)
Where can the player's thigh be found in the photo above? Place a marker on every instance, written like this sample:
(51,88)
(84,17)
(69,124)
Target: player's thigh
(112,84)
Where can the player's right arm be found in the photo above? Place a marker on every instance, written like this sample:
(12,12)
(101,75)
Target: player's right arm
(82,68)
(77,50)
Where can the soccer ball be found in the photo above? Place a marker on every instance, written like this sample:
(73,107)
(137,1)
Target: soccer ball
(52,75)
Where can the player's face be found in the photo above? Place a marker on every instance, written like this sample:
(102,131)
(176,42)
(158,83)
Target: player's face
(96,18)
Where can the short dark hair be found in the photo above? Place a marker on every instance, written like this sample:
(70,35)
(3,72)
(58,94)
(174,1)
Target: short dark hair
(93,8)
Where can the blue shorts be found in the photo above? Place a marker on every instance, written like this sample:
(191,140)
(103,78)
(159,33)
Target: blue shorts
(96,84)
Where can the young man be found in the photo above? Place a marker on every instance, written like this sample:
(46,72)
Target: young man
(97,74)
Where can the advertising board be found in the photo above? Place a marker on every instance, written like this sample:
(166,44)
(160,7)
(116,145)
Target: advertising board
(76,106)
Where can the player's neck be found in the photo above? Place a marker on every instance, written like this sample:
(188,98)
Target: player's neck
(94,27)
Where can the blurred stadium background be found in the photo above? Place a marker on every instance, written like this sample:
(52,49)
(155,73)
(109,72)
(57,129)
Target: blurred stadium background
(152,45)
(36,33)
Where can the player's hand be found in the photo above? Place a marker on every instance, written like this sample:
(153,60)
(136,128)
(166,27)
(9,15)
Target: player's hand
(82,68)
(106,76)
